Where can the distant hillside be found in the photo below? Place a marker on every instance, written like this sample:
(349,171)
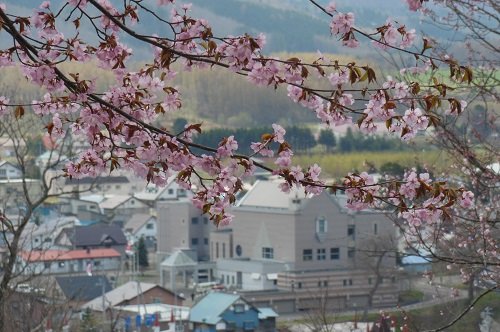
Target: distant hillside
(290,25)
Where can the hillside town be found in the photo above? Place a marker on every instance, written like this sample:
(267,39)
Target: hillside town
(116,251)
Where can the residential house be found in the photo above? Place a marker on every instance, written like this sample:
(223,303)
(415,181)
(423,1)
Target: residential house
(117,208)
(153,194)
(85,210)
(47,235)
(8,146)
(9,171)
(229,312)
(76,290)
(98,236)
(141,225)
(12,191)
(110,185)
(316,246)
(47,262)
(134,293)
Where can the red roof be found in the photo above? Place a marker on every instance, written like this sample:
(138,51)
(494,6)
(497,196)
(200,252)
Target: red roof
(65,255)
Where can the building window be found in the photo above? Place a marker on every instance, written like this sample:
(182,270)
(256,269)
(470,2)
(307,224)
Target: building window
(325,283)
(205,220)
(97,263)
(307,254)
(299,285)
(170,191)
(239,308)
(194,241)
(334,253)
(194,221)
(351,232)
(321,225)
(239,250)
(46,265)
(267,253)
(320,284)
(321,254)
(205,241)
(370,281)
(150,226)
(223,250)
(375,229)
(347,282)
(217,250)
(351,253)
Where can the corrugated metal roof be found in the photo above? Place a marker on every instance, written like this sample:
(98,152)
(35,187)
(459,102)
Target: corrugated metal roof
(265,313)
(209,308)
(120,294)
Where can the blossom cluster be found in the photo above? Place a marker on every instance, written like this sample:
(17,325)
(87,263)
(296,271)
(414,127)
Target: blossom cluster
(118,123)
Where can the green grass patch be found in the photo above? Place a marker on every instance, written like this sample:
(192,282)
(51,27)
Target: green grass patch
(338,165)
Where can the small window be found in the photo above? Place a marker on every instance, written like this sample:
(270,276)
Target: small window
(150,226)
(321,254)
(97,263)
(325,283)
(321,226)
(351,232)
(61,264)
(194,241)
(334,253)
(299,285)
(46,265)
(205,241)
(223,250)
(170,191)
(194,221)
(267,253)
(239,250)
(307,254)
(118,187)
(344,282)
(320,284)
(205,220)
(239,308)
(370,281)
(350,282)
(375,229)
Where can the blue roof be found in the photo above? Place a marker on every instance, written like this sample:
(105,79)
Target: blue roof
(265,313)
(414,259)
(210,308)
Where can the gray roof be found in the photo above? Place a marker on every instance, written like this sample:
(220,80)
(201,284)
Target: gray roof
(209,309)
(98,180)
(136,221)
(83,288)
(178,259)
(268,194)
(96,234)
(120,294)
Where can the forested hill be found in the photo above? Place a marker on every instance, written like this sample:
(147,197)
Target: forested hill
(289,25)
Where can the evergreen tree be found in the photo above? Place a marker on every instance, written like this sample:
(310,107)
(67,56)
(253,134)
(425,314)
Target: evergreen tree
(88,323)
(327,138)
(142,253)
